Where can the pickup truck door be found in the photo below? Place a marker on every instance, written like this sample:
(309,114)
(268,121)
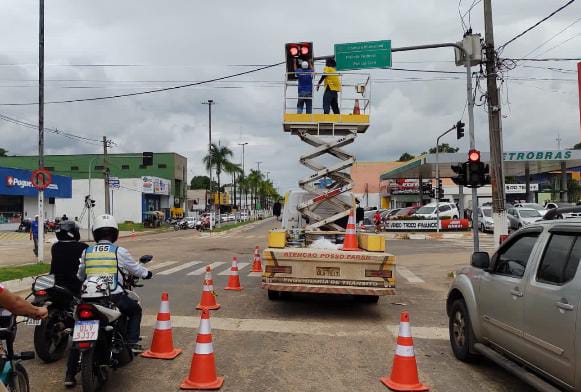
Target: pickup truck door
(552,304)
(502,291)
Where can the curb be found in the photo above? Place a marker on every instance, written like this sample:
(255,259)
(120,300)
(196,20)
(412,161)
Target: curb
(17,285)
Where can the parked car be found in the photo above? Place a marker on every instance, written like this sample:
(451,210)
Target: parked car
(542,210)
(387,214)
(521,217)
(552,205)
(485,221)
(447,210)
(520,307)
(406,211)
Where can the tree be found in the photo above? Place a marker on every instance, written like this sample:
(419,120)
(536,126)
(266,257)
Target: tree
(577,146)
(254,179)
(220,159)
(200,182)
(445,148)
(405,157)
(3,152)
(234,170)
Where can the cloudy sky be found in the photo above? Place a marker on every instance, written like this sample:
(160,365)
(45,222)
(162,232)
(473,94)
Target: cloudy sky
(108,47)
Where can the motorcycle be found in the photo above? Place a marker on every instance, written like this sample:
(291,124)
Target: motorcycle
(14,375)
(100,329)
(203,223)
(180,225)
(51,335)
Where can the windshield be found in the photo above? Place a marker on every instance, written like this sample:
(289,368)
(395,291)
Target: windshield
(529,214)
(426,210)
(533,206)
(487,212)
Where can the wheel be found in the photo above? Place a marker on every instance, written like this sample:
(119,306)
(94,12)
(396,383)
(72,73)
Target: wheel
(460,330)
(368,299)
(92,376)
(273,295)
(19,381)
(455,217)
(482,229)
(50,339)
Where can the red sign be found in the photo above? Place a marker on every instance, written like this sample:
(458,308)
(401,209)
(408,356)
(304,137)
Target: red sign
(41,179)
(454,224)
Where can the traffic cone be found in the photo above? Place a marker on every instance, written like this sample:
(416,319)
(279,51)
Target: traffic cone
(203,369)
(234,279)
(404,373)
(257,263)
(162,342)
(350,242)
(133,236)
(208,301)
(356,108)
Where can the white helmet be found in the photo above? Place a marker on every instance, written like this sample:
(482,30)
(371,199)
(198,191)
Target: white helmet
(105,221)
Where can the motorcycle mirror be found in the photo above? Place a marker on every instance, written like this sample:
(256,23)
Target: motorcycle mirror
(145,259)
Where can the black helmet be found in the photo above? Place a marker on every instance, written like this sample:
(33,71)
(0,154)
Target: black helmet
(67,231)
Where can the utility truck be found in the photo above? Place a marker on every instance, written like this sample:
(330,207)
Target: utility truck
(306,255)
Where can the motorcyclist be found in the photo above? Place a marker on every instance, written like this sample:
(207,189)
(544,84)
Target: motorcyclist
(377,221)
(106,258)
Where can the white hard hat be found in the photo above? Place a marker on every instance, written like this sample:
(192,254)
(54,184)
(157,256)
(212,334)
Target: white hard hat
(105,220)
(305,65)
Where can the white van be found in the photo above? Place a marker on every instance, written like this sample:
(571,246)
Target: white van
(447,210)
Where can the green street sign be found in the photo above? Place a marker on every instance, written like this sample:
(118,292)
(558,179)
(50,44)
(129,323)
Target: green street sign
(363,55)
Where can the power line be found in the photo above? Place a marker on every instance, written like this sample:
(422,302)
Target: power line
(545,59)
(553,37)
(501,47)
(148,91)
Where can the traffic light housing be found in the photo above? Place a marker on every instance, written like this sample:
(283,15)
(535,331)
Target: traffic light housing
(296,53)
(459,130)
(147,159)
(460,177)
(477,174)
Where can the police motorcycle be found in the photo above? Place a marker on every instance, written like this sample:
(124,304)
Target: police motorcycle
(51,335)
(100,328)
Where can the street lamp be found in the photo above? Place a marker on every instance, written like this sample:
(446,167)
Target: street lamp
(243,173)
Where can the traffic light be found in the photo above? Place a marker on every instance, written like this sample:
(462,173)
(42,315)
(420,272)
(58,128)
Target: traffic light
(89,203)
(147,159)
(460,177)
(478,172)
(459,130)
(295,53)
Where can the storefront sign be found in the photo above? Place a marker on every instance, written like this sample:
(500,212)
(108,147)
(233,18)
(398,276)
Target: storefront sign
(520,188)
(408,187)
(422,225)
(16,182)
(155,185)
(538,155)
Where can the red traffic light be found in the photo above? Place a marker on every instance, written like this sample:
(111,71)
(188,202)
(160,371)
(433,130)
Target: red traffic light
(304,50)
(474,156)
(293,50)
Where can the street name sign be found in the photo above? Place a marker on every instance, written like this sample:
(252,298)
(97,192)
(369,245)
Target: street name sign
(363,55)
(114,182)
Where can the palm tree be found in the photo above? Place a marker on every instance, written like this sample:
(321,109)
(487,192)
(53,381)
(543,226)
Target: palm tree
(220,160)
(233,169)
(254,179)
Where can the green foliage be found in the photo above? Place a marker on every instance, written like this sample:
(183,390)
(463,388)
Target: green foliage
(3,152)
(444,148)
(23,271)
(406,157)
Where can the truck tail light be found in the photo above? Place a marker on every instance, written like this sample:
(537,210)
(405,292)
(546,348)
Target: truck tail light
(378,273)
(273,269)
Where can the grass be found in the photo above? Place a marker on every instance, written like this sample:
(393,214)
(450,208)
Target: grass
(230,226)
(131,226)
(23,271)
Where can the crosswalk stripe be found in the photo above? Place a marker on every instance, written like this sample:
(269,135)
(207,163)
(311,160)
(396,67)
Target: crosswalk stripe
(241,266)
(179,267)
(200,271)
(157,266)
(409,275)
(255,274)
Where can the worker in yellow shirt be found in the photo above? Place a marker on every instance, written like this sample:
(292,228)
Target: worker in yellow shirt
(332,87)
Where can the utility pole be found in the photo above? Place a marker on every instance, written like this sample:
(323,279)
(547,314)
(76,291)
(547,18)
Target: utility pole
(258,165)
(106,177)
(210,102)
(243,176)
(41,128)
(495,130)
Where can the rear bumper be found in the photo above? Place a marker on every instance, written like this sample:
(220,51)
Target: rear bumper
(324,289)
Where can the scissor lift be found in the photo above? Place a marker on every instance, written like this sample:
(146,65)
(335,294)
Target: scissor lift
(329,134)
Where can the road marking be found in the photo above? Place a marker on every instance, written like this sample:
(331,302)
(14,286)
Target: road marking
(157,266)
(303,327)
(179,267)
(240,267)
(200,271)
(409,275)
(255,274)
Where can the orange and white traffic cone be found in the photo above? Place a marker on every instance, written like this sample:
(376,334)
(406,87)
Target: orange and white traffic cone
(257,262)
(203,369)
(162,342)
(234,279)
(133,235)
(404,373)
(356,108)
(350,242)
(208,301)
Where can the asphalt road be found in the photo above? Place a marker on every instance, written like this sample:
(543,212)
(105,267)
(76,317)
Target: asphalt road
(305,343)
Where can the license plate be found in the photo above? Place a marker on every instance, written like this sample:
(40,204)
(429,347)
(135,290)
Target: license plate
(33,322)
(328,271)
(86,331)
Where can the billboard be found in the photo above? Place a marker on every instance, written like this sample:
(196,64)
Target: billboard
(16,182)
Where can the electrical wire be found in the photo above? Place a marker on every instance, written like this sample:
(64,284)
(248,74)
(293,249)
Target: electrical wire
(553,37)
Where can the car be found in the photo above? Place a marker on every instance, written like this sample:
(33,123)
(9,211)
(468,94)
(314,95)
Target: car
(387,214)
(521,217)
(447,210)
(406,211)
(552,205)
(542,210)
(520,307)
(485,221)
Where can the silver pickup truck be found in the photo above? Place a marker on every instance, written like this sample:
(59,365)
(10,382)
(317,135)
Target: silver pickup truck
(520,307)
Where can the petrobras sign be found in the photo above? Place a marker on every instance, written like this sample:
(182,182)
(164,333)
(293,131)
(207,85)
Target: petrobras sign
(519,188)
(540,155)
(16,182)
(155,185)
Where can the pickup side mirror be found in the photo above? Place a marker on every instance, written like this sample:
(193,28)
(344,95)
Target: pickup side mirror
(480,260)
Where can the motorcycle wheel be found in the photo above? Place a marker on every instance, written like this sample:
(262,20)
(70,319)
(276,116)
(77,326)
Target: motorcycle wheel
(19,381)
(92,377)
(50,340)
